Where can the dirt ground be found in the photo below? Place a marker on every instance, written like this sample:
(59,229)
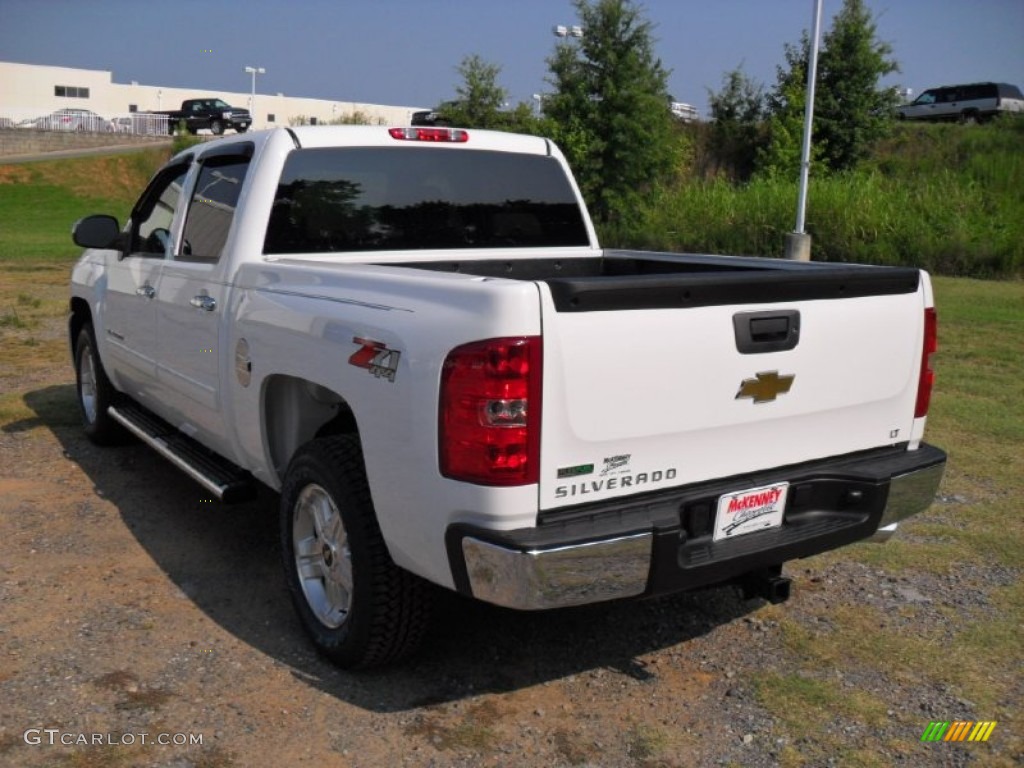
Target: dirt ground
(132,604)
(136,611)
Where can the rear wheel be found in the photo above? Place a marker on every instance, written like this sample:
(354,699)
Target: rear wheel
(357,606)
(94,390)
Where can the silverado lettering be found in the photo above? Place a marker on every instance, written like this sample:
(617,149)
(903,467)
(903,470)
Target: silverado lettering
(610,484)
(472,253)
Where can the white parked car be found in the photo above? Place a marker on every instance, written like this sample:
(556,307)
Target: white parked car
(971,103)
(70,120)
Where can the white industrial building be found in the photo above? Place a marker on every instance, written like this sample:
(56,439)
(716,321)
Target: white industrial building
(31,91)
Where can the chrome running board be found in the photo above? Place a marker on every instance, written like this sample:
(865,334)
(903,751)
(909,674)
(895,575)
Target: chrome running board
(228,482)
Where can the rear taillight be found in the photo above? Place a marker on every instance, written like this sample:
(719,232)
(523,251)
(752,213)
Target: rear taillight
(927,377)
(451,135)
(489,419)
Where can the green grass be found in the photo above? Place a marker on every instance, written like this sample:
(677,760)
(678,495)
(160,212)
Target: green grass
(39,202)
(973,650)
(946,198)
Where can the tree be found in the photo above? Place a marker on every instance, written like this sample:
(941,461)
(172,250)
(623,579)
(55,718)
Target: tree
(479,97)
(785,106)
(482,103)
(610,107)
(736,113)
(851,111)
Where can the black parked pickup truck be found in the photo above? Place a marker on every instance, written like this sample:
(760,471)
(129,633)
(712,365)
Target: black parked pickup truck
(214,114)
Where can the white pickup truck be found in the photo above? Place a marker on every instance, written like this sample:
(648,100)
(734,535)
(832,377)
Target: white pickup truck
(413,336)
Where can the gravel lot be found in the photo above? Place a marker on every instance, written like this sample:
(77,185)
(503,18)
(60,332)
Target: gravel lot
(132,608)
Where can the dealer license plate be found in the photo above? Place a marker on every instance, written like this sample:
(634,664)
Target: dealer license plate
(756,509)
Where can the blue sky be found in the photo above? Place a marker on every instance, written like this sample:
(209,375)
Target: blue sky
(405,52)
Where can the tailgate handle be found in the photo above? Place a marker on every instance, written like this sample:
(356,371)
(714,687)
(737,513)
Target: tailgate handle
(773,331)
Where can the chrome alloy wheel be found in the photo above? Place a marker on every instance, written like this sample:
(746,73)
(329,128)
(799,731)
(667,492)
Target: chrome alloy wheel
(322,556)
(87,385)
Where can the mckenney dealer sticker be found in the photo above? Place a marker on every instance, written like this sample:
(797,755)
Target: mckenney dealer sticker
(752,510)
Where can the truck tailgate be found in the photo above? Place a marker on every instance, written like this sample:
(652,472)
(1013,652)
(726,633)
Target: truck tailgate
(652,382)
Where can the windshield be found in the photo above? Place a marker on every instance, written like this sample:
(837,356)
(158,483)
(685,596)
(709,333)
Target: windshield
(414,198)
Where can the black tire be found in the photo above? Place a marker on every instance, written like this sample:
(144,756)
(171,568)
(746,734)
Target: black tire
(216,127)
(242,128)
(94,391)
(358,607)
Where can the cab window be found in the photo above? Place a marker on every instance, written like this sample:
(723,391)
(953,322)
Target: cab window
(338,200)
(212,208)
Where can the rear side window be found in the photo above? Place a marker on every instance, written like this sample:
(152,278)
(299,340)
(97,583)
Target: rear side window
(212,208)
(402,198)
(978,91)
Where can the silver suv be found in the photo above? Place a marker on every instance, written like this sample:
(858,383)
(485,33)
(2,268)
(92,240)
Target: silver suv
(971,103)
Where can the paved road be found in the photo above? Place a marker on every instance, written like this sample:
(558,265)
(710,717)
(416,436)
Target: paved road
(84,152)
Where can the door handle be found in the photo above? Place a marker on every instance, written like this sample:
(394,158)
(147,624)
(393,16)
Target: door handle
(146,290)
(204,302)
(772,331)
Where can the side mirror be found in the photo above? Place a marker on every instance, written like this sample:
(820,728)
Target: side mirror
(98,231)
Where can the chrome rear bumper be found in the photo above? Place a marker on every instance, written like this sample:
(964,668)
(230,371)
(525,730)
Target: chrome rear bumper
(909,494)
(561,576)
(632,548)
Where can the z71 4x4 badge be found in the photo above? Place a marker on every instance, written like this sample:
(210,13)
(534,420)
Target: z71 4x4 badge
(376,358)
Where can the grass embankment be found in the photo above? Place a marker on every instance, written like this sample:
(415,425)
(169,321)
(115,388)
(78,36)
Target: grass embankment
(38,204)
(40,201)
(946,198)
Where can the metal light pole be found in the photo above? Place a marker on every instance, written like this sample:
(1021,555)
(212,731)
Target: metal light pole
(252,99)
(798,243)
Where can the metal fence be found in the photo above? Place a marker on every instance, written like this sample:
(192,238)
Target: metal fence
(86,121)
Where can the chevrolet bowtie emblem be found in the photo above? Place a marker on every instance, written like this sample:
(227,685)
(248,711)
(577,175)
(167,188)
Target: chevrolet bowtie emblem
(766,387)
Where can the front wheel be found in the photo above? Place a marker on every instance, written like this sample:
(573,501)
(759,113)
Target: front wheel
(94,390)
(216,127)
(357,606)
